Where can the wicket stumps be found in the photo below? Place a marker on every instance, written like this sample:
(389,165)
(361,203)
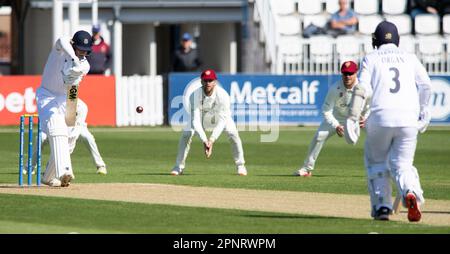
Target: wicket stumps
(30,149)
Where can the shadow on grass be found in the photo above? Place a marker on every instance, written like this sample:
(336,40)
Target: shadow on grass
(168,174)
(287,216)
(150,174)
(318,176)
(25,186)
(10,173)
(430,212)
(286,175)
(436,212)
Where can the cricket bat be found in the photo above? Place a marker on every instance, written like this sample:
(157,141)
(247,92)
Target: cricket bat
(72,93)
(71,105)
(396,205)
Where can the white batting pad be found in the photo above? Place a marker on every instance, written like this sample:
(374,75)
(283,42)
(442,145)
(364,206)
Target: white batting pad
(59,146)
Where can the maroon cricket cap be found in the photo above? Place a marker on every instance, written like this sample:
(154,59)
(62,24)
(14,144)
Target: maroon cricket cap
(208,75)
(349,67)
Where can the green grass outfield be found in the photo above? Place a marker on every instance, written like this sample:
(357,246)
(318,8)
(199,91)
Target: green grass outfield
(146,155)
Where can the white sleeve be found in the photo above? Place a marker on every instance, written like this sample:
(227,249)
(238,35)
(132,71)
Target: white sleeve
(365,77)
(223,114)
(63,45)
(196,117)
(328,106)
(423,83)
(366,109)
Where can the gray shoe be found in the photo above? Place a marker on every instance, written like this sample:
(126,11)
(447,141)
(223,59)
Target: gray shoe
(382,213)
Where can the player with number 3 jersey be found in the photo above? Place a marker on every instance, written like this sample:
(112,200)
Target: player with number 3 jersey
(399,87)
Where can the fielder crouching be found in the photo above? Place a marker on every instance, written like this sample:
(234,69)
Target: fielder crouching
(66,66)
(209,104)
(335,111)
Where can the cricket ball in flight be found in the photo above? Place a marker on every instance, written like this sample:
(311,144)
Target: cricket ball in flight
(139,109)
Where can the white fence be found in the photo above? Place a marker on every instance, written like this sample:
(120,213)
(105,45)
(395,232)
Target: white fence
(134,91)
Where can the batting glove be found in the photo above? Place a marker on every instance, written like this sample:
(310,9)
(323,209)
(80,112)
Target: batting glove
(72,80)
(424,120)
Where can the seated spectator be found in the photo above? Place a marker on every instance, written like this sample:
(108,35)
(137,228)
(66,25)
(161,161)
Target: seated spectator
(343,21)
(424,7)
(445,7)
(440,7)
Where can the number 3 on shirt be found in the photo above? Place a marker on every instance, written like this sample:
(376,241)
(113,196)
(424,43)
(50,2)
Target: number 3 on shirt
(395,79)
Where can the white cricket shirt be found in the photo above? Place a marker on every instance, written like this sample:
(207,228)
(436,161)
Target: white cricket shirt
(52,78)
(393,78)
(335,109)
(217,105)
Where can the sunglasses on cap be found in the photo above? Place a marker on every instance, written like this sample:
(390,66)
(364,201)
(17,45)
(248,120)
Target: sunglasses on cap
(348,73)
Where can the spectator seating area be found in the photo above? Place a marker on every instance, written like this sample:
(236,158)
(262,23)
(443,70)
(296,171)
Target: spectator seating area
(283,22)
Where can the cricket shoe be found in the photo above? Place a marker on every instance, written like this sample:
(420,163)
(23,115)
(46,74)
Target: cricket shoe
(52,183)
(303,172)
(382,213)
(414,213)
(102,170)
(241,170)
(176,171)
(65,180)
(24,171)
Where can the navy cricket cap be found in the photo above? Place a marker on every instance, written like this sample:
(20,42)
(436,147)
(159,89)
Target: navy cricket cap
(95,29)
(82,40)
(386,32)
(187,37)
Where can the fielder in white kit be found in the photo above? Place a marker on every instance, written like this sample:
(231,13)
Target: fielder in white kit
(79,130)
(210,101)
(66,66)
(400,89)
(335,112)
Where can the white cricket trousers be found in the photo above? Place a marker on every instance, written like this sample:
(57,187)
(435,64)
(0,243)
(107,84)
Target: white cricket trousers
(51,110)
(324,132)
(89,141)
(389,154)
(233,136)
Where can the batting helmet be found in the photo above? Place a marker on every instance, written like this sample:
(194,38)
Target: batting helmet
(82,40)
(386,32)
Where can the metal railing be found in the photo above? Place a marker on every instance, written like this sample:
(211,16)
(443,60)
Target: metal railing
(326,58)
(268,34)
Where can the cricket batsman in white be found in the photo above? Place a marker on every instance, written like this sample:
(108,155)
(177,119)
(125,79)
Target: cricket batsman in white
(335,112)
(209,104)
(65,67)
(79,130)
(400,89)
